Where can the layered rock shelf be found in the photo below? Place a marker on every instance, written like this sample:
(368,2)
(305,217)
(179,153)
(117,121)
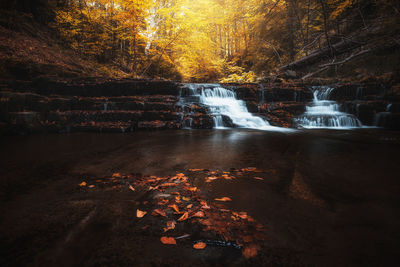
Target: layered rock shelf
(118,106)
(132,105)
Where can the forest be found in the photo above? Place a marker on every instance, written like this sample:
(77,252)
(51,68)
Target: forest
(199,133)
(223,40)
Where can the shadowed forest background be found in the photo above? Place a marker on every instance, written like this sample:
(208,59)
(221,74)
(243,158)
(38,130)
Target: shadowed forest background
(207,40)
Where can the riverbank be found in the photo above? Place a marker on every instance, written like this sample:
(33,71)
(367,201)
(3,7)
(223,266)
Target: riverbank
(325,197)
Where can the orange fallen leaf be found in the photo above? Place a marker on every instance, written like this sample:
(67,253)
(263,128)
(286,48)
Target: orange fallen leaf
(259,178)
(195,170)
(116,175)
(162,202)
(175,208)
(242,215)
(189,206)
(157,212)
(223,199)
(192,189)
(168,240)
(168,184)
(140,213)
(131,188)
(199,245)
(250,251)
(91,186)
(170,226)
(175,193)
(180,175)
(185,216)
(83,184)
(204,205)
(186,198)
(199,214)
(99,181)
(212,178)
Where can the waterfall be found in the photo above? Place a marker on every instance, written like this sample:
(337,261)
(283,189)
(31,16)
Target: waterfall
(323,113)
(223,102)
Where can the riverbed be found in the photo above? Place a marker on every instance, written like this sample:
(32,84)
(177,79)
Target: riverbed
(328,197)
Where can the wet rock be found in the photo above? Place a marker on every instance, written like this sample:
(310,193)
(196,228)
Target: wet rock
(227,121)
(202,121)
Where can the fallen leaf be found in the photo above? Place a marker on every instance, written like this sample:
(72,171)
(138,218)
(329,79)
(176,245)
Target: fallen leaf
(186,198)
(242,215)
(180,175)
(131,188)
(83,184)
(175,208)
(157,212)
(168,240)
(199,245)
(116,175)
(250,251)
(199,214)
(163,202)
(170,226)
(189,206)
(185,216)
(195,170)
(212,178)
(91,186)
(140,213)
(204,205)
(192,189)
(175,193)
(223,199)
(259,178)
(99,181)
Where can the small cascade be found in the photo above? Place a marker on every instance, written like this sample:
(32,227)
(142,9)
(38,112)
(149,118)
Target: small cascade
(221,103)
(381,118)
(323,113)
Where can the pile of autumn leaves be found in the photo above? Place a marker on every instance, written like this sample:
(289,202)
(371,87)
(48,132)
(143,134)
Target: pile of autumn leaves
(177,201)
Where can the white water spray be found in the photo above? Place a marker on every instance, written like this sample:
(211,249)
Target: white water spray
(324,113)
(223,102)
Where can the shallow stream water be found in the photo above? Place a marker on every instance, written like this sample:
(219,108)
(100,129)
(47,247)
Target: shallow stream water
(327,198)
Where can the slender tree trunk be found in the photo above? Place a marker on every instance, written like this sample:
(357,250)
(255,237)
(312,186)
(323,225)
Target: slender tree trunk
(290,25)
(325,15)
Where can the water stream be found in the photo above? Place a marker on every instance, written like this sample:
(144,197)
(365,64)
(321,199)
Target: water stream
(325,113)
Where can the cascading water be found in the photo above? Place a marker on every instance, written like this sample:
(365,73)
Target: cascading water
(324,113)
(223,102)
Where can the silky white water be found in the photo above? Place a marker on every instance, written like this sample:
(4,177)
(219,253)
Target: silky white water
(222,101)
(323,113)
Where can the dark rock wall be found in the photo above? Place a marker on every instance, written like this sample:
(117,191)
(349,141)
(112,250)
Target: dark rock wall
(114,106)
(131,105)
